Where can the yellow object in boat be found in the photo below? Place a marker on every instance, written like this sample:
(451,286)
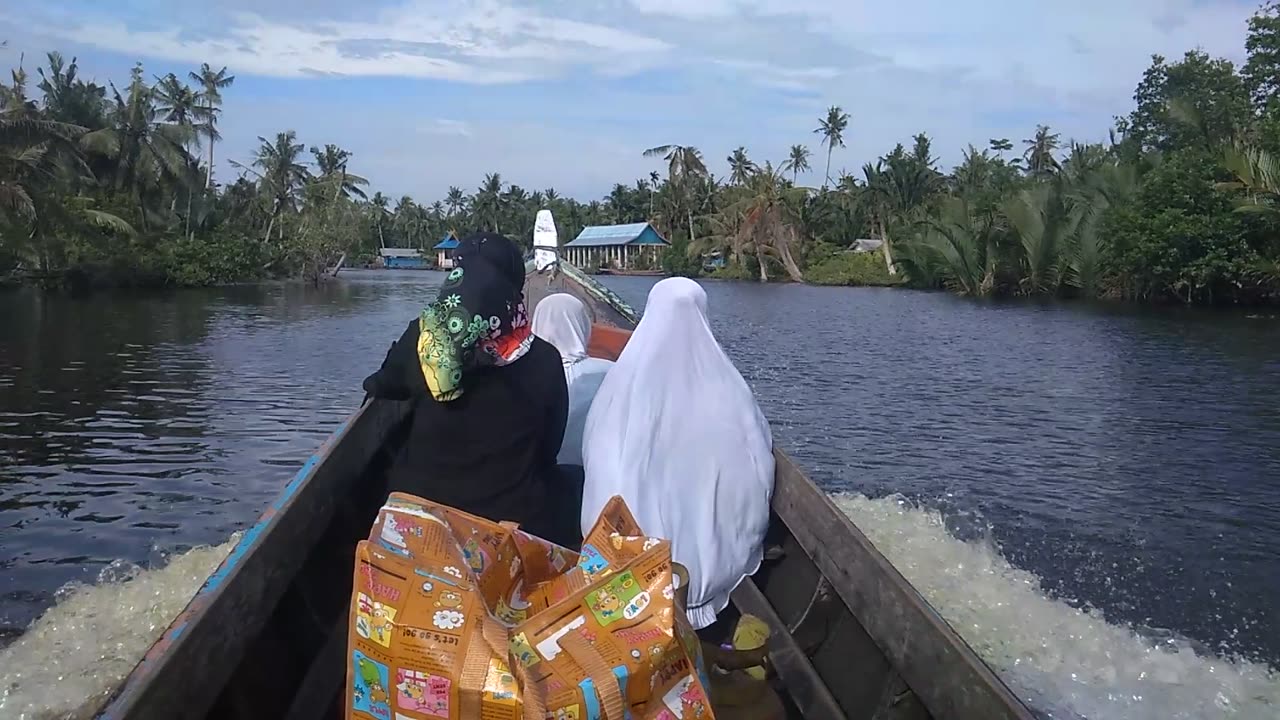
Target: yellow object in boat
(751,633)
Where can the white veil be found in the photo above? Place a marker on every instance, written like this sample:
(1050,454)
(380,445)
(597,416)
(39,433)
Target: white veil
(676,431)
(563,320)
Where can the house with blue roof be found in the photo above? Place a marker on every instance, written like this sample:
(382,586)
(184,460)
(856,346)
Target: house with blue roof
(402,259)
(618,247)
(446,251)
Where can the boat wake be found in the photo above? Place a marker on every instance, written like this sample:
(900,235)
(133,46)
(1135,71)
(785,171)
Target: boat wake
(1062,661)
(66,665)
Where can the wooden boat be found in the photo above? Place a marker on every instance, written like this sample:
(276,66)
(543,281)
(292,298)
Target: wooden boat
(265,637)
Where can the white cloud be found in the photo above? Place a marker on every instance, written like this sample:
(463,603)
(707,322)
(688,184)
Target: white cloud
(476,42)
(444,126)
(607,79)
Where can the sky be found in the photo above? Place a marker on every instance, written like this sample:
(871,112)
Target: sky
(569,93)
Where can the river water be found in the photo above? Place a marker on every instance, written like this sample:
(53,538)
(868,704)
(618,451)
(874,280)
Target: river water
(1090,495)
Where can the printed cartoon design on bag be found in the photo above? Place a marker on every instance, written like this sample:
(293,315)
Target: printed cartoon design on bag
(620,598)
(591,561)
(451,618)
(568,712)
(423,692)
(395,528)
(686,700)
(556,558)
(500,684)
(374,620)
(692,701)
(391,537)
(514,611)
(370,687)
(521,650)
(475,556)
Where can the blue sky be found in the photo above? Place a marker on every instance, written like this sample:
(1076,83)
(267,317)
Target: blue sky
(567,93)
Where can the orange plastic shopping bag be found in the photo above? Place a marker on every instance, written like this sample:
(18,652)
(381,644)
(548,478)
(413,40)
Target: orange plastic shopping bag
(455,616)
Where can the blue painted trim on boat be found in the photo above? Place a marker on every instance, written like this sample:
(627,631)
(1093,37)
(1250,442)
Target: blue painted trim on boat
(237,554)
(299,478)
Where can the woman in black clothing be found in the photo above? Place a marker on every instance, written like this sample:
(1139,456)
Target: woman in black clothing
(490,400)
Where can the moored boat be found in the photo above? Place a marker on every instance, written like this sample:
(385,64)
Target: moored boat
(637,273)
(265,636)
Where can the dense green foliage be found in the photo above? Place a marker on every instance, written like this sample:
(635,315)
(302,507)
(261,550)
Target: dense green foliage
(114,185)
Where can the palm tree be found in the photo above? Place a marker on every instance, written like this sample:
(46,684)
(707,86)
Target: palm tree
(68,99)
(619,202)
(769,219)
(877,196)
(832,128)
(36,154)
(1041,217)
(175,101)
(740,166)
(958,244)
(144,146)
(332,164)
(405,221)
(797,162)
(655,180)
(455,200)
(211,86)
(1039,153)
(282,173)
(684,167)
(487,204)
(379,203)
(178,104)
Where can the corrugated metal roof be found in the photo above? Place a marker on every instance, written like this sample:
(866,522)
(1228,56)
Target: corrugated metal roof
(600,235)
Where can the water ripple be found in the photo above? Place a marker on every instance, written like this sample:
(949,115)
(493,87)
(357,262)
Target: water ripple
(1102,479)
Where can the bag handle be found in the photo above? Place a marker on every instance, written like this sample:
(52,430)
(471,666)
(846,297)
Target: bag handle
(532,700)
(612,704)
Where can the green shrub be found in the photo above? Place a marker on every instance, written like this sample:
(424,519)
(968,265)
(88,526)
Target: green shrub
(852,269)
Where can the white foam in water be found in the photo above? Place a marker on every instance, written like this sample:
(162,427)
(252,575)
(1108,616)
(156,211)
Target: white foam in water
(66,665)
(1064,662)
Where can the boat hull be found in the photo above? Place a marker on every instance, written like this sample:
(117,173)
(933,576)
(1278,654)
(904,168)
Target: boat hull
(265,636)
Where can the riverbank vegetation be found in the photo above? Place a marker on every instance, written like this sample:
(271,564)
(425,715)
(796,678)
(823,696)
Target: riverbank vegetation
(108,185)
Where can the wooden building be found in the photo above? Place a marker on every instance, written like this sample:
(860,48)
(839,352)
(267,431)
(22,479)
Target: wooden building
(616,246)
(402,259)
(446,251)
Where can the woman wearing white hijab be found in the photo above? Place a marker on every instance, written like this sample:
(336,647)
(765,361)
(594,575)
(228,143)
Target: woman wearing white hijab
(563,321)
(676,431)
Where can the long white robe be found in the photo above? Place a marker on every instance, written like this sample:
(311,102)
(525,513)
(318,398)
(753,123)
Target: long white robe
(563,321)
(676,431)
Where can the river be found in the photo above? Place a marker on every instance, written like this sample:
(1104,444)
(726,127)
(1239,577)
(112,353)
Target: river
(1090,495)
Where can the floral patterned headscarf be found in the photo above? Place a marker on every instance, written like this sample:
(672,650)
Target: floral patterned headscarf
(479,318)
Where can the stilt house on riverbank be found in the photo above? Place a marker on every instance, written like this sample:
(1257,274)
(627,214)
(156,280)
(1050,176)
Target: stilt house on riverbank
(402,259)
(621,247)
(446,251)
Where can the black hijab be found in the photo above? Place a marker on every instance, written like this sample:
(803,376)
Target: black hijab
(479,317)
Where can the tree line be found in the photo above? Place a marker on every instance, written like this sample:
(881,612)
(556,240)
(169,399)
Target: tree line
(115,185)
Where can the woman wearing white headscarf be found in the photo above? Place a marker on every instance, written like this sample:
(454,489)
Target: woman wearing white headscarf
(563,321)
(676,431)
